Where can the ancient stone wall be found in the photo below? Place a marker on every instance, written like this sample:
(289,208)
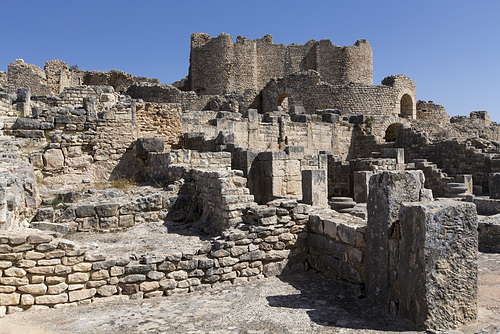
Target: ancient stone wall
(22,74)
(56,76)
(474,156)
(337,249)
(92,139)
(18,191)
(430,111)
(160,120)
(310,92)
(218,66)
(277,132)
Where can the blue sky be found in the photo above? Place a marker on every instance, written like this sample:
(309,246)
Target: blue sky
(450,48)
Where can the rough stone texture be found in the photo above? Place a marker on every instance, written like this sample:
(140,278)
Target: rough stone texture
(388,190)
(437,265)
(252,63)
(314,188)
(151,144)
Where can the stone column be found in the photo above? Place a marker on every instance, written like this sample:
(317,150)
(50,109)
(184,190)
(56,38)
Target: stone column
(90,106)
(314,188)
(361,180)
(387,190)
(494,185)
(437,269)
(24,101)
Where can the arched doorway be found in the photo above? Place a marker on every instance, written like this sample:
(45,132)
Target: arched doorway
(406,106)
(282,102)
(392,132)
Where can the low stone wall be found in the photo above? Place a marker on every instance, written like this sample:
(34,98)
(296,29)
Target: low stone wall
(336,248)
(489,234)
(39,270)
(157,164)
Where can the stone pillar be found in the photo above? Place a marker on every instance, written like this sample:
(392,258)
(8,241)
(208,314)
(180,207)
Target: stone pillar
(361,179)
(314,188)
(437,269)
(90,106)
(467,180)
(387,190)
(24,101)
(494,185)
(278,176)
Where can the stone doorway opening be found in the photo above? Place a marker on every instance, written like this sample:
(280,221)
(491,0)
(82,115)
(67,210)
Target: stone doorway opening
(283,102)
(392,132)
(406,106)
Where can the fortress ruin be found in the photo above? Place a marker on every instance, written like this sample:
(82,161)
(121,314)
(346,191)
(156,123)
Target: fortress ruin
(287,158)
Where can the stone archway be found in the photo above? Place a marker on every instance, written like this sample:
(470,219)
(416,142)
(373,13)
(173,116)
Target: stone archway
(406,106)
(283,102)
(391,132)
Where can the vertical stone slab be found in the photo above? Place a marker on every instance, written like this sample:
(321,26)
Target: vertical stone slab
(494,185)
(314,188)
(437,271)
(90,106)
(24,101)
(387,190)
(361,180)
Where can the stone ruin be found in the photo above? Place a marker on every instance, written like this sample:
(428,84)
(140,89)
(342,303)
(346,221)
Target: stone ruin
(287,156)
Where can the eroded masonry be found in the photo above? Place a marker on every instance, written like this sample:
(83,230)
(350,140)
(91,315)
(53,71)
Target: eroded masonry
(285,158)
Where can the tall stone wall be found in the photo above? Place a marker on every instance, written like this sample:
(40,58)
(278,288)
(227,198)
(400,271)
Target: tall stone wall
(160,120)
(218,66)
(310,92)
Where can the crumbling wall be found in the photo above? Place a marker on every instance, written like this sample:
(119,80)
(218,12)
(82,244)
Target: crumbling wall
(430,111)
(160,120)
(311,92)
(22,74)
(218,66)
(18,191)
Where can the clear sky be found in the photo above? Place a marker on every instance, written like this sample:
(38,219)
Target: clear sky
(451,48)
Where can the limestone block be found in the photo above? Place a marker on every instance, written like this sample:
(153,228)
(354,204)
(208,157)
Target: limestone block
(15,272)
(361,180)
(57,289)
(31,255)
(34,289)
(437,268)
(15,281)
(146,145)
(314,188)
(27,300)
(387,190)
(9,299)
(107,210)
(81,294)
(84,266)
(107,290)
(494,185)
(149,286)
(168,284)
(78,277)
(53,159)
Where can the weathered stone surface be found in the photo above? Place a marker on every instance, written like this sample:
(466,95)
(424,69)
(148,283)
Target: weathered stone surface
(146,145)
(51,299)
(34,289)
(437,268)
(388,190)
(53,159)
(9,299)
(81,294)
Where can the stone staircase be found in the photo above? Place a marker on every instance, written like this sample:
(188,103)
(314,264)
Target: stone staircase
(440,183)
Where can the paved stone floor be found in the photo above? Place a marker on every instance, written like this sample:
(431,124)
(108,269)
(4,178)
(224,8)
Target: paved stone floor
(302,303)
